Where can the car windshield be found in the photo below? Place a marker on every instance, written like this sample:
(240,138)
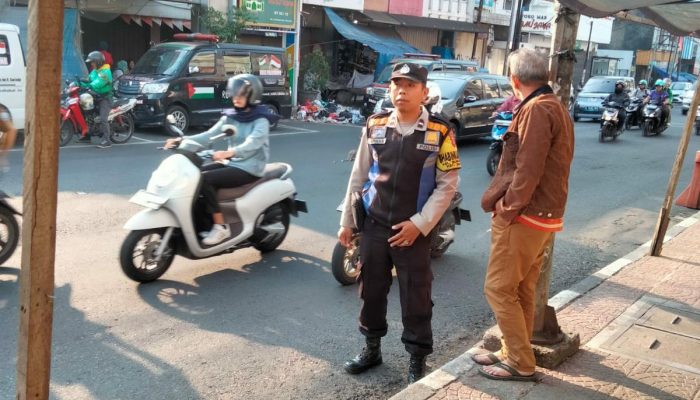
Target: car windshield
(449,88)
(162,60)
(679,86)
(599,86)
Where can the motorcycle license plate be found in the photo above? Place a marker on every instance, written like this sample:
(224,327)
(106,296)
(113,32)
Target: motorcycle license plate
(149,200)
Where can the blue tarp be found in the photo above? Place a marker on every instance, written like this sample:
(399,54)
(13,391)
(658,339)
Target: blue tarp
(387,47)
(676,77)
(73,63)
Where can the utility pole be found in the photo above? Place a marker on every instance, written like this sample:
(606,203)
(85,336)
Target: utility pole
(45,36)
(516,17)
(297,46)
(546,330)
(588,49)
(476,35)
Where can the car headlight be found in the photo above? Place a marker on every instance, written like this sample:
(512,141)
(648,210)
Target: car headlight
(155,88)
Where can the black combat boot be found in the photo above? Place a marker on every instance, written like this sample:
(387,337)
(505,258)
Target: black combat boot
(416,369)
(370,356)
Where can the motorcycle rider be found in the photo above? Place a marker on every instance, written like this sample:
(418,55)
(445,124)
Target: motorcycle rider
(248,149)
(100,82)
(622,100)
(661,98)
(641,91)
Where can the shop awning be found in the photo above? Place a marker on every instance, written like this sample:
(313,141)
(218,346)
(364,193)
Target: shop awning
(678,17)
(381,17)
(439,24)
(380,44)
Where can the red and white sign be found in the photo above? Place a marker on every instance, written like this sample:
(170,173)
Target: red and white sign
(537,22)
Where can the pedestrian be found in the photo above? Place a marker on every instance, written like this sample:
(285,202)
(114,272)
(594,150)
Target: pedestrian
(527,198)
(121,70)
(406,171)
(132,64)
(100,82)
(103,48)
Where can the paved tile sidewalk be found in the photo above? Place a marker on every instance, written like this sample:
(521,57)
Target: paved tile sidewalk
(594,373)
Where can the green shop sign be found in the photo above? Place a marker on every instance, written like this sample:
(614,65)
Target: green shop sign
(271,13)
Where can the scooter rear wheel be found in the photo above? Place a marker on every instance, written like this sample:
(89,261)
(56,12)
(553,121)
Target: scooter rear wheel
(344,262)
(492,161)
(66,134)
(122,128)
(9,234)
(274,216)
(137,255)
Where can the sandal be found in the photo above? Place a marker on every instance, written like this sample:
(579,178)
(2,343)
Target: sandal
(492,358)
(514,374)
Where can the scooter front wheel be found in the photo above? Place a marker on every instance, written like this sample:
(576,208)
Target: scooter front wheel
(492,161)
(138,255)
(344,262)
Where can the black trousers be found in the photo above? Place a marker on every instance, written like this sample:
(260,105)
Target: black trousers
(415,285)
(217,176)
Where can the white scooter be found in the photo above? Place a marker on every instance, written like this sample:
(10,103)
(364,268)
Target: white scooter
(257,213)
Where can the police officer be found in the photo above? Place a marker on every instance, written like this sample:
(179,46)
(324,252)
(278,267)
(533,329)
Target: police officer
(407,171)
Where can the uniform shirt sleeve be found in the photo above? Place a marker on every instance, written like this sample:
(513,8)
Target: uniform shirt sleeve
(358,178)
(446,183)
(254,141)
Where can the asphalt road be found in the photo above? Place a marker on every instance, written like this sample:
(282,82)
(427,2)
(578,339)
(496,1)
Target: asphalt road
(244,326)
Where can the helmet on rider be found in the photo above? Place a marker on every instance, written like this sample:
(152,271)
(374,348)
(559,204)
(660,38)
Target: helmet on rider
(95,57)
(659,84)
(619,87)
(643,82)
(247,86)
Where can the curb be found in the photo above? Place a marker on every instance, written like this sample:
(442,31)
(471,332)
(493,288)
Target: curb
(448,373)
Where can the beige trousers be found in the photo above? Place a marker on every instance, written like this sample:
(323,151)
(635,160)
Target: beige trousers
(517,252)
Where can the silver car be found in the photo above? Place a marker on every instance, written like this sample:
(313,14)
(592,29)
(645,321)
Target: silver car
(589,102)
(688,97)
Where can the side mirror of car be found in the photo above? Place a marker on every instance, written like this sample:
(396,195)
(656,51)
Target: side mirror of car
(471,99)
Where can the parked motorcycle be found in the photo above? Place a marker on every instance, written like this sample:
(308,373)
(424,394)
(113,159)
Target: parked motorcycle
(634,114)
(8,224)
(500,127)
(344,259)
(257,213)
(611,127)
(80,116)
(652,124)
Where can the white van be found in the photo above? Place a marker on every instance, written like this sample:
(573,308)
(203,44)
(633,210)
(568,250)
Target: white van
(13,73)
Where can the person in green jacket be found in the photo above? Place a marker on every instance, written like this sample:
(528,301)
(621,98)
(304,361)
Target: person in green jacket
(100,82)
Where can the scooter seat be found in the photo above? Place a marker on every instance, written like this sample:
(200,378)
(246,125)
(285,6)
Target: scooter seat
(272,171)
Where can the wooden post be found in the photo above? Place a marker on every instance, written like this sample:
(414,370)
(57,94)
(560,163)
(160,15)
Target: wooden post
(657,242)
(45,26)
(561,68)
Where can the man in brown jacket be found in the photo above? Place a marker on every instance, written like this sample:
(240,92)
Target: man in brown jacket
(527,197)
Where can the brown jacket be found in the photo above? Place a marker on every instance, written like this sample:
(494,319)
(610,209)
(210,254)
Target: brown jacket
(533,175)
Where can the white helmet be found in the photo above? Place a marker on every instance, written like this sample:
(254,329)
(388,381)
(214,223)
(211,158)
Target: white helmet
(87,102)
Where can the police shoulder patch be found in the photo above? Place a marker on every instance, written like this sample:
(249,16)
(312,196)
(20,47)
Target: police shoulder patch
(438,125)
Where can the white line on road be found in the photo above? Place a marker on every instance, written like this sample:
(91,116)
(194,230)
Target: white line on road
(298,129)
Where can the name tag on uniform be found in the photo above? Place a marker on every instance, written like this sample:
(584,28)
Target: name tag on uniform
(427,147)
(378,132)
(376,140)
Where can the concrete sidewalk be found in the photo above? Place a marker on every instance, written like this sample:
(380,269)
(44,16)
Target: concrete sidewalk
(639,323)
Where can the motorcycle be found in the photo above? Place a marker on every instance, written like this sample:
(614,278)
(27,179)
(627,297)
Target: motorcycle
(9,223)
(344,259)
(652,124)
(257,213)
(610,121)
(634,114)
(80,116)
(500,127)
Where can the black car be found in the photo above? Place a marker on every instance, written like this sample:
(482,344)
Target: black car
(188,79)
(468,100)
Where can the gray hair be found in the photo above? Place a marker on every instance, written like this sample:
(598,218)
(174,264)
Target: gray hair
(528,66)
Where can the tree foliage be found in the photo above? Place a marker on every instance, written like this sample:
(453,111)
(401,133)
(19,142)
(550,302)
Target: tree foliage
(228,29)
